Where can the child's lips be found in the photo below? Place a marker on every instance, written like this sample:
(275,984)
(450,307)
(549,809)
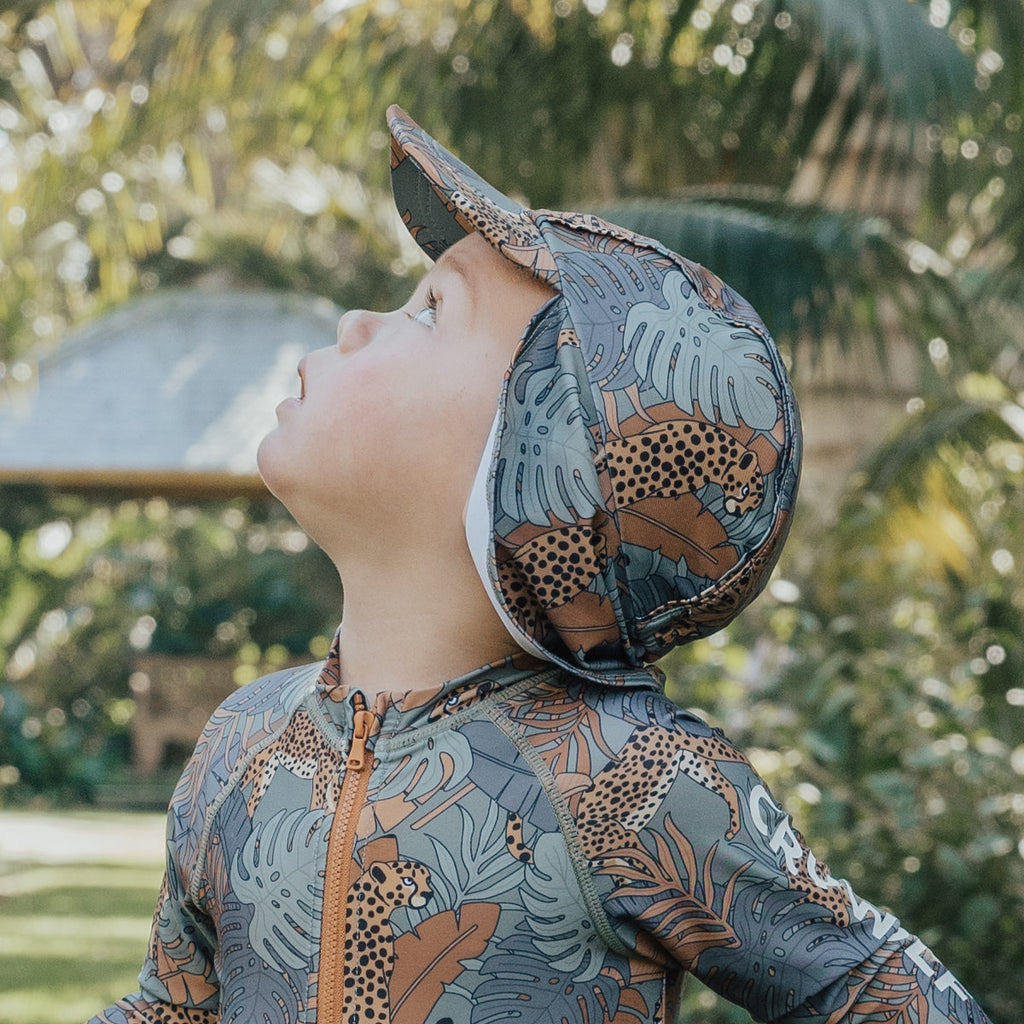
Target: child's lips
(292,401)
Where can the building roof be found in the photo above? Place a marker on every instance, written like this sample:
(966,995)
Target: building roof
(169,393)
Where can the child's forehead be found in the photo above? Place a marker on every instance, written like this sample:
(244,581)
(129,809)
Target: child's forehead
(458,259)
(480,266)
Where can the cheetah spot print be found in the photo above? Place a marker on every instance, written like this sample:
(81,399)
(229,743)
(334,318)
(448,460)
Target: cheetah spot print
(519,601)
(370,952)
(832,896)
(560,564)
(628,793)
(681,457)
(514,839)
(301,750)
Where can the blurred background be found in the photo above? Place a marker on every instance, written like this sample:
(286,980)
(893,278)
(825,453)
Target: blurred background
(854,169)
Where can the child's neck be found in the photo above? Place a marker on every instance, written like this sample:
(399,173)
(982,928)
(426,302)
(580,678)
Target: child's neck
(416,625)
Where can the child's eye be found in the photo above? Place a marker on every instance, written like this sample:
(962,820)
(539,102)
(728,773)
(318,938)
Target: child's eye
(428,314)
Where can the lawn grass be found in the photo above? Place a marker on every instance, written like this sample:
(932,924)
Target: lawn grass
(72,936)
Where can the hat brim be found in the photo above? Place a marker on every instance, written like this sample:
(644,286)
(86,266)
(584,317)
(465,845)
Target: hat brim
(441,200)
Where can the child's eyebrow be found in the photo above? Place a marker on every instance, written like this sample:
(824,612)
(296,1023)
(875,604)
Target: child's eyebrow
(453,262)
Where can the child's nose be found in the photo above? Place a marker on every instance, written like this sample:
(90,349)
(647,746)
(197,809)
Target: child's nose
(356,328)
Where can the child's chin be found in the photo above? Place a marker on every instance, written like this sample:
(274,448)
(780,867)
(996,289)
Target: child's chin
(271,463)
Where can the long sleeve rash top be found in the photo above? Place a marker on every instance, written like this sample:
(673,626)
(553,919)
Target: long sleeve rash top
(513,846)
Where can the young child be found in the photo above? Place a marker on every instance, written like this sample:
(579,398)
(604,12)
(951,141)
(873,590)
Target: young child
(482,807)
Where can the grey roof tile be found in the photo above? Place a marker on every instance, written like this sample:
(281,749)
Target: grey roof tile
(181,384)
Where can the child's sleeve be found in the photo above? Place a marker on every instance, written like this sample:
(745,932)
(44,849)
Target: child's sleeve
(719,881)
(178,981)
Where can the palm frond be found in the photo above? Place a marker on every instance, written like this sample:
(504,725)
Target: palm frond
(814,275)
(848,86)
(897,466)
(917,64)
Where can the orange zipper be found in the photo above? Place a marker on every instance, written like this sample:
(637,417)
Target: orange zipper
(331,979)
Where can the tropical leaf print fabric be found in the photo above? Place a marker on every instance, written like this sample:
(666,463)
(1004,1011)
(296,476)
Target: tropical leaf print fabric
(527,846)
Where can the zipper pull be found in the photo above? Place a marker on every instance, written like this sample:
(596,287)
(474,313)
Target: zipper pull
(361,725)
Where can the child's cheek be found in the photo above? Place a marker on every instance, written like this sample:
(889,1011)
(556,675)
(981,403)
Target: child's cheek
(388,410)
(367,393)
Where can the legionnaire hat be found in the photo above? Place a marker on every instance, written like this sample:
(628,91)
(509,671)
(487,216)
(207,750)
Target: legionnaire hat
(639,480)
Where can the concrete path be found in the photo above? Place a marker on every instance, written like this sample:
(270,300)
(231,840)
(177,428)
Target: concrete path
(80,837)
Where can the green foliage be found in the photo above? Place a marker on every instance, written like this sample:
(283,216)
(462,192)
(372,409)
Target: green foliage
(85,587)
(877,686)
(144,143)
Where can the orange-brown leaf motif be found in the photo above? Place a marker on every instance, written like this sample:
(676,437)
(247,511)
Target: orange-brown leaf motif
(428,958)
(880,989)
(561,728)
(689,914)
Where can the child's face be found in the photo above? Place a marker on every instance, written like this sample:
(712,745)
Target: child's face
(391,421)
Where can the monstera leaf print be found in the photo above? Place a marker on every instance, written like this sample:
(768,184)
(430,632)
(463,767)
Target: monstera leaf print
(634,705)
(522,985)
(597,322)
(557,915)
(710,361)
(263,996)
(176,968)
(444,762)
(232,728)
(655,579)
(546,468)
(233,822)
(482,870)
(797,951)
(246,996)
(272,873)
(500,771)
(539,351)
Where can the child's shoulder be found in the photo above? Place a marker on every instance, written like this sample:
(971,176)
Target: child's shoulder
(621,719)
(243,722)
(618,753)
(276,694)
